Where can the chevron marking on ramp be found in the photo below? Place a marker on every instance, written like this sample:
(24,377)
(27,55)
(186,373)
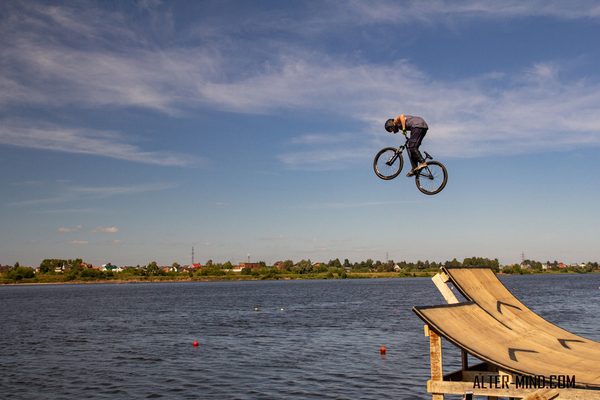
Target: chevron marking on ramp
(511,353)
(564,344)
(500,303)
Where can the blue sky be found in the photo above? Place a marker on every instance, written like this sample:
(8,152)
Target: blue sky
(132,131)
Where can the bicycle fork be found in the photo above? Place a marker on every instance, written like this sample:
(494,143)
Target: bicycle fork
(397,154)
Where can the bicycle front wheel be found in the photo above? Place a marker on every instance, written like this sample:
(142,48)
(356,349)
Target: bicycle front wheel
(387,164)
(431,179)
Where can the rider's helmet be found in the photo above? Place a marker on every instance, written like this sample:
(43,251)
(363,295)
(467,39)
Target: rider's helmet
(390,126)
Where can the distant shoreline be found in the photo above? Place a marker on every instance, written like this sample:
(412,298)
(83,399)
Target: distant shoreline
(62,280)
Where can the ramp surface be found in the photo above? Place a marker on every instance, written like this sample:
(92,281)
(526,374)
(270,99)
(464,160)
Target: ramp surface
(481,286)
(496,327)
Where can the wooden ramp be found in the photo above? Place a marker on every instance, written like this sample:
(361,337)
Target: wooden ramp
(481,286)
(511,340)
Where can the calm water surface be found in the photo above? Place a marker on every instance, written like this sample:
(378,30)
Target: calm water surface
(135,340)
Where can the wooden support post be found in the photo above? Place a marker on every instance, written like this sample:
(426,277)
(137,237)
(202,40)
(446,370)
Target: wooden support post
(465,359)
(435,353)
(440,280)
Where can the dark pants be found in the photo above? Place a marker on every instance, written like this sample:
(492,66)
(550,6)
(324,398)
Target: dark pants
(416,137)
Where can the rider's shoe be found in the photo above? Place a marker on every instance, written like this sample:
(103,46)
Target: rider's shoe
(415,169)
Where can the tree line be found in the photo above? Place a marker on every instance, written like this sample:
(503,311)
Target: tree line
(75,268)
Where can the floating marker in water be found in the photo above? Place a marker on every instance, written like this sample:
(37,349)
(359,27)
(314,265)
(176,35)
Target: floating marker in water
(195,343)
(382,350)
(282,309)
(256,309)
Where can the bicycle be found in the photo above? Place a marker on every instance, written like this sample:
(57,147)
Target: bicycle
(430,180)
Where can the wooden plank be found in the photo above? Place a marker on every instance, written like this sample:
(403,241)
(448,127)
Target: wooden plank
(435,354)
(542,394)
(440,280)
(460,388)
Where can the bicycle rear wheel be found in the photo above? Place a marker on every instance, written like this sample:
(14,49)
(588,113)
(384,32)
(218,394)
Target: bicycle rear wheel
(431,179)
(386,164)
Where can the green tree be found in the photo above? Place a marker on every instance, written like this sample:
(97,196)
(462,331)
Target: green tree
(49,265)
(246,271)
(75,265)
(18,273)
(508,269)
(320,268)
(227,265)
(517,269)
(152,268)
(304,267)
(287,265)
(91,273)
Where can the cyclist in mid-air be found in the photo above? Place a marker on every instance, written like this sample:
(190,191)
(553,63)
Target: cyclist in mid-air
(418,128)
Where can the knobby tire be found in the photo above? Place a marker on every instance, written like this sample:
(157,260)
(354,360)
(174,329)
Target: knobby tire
(382,169)
(431,179)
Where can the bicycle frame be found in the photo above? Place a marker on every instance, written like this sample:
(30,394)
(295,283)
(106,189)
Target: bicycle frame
(399,154)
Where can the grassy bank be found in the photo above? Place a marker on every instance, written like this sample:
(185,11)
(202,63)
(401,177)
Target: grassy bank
(126,277)
(131,278)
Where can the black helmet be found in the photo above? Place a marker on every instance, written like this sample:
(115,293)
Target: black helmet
(390,126)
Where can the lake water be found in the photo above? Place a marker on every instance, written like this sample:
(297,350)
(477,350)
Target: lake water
(317,339)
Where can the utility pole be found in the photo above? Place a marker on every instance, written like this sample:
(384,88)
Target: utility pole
(192,256)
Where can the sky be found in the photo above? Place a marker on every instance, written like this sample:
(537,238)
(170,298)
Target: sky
(131,132)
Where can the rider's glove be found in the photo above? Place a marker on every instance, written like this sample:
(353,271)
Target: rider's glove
(404,132)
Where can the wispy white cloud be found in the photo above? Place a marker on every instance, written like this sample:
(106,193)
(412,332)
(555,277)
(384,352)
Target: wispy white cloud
(318,139)
(79,227)
(111,243)
(324,159)
(86,141)
(105,230)
(79,193)
(455,12)
(78,242)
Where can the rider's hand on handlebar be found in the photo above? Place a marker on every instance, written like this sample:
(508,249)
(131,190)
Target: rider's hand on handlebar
(404,132)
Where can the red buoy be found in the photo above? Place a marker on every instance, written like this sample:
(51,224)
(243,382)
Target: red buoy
(195,343)
(382,350)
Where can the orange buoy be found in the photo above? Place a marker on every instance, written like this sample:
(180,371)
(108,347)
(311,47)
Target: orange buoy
(195,343)
(382,350)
